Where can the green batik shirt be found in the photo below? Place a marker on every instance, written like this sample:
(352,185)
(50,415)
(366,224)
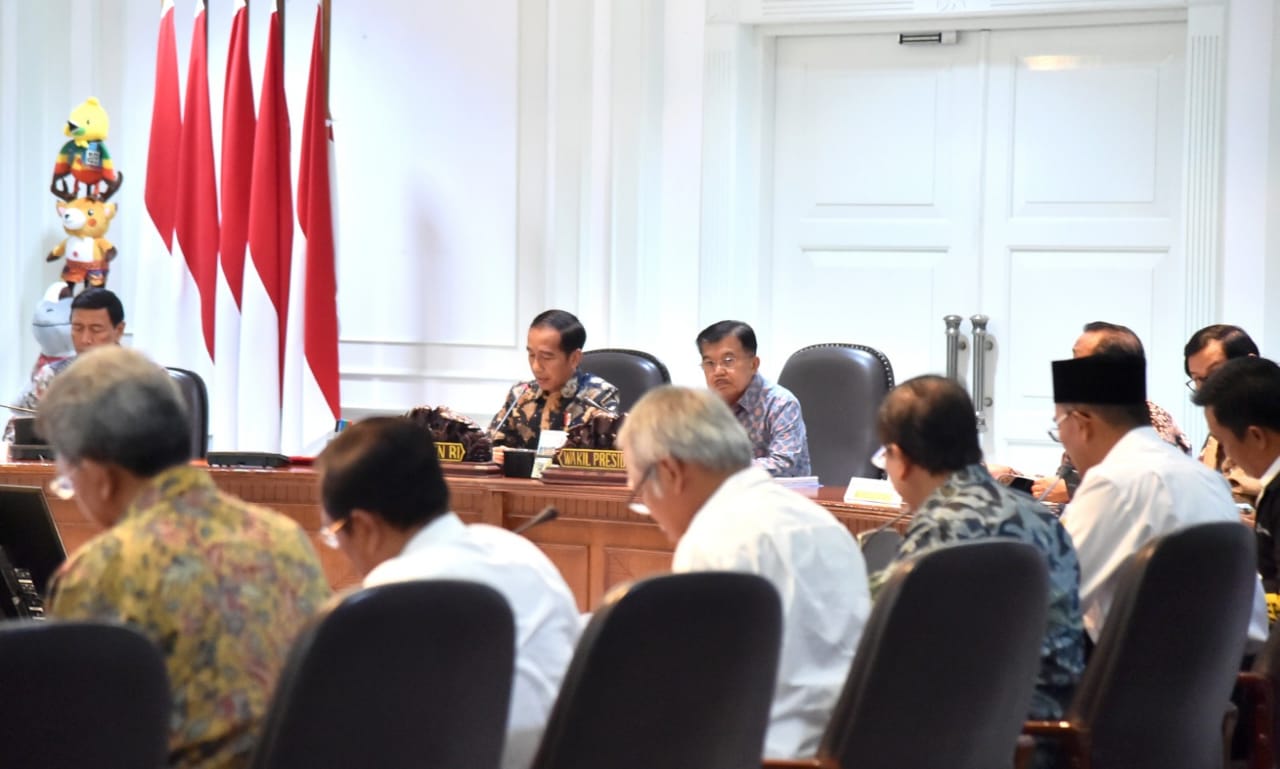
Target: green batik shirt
(970,505)
(221,586)
(536,410)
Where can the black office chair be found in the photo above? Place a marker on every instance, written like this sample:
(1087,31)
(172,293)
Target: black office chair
(196,397)
(1154,692)
(633,372)
(677,672)
(413,674)
(946,665)
(839,387)
(81,694)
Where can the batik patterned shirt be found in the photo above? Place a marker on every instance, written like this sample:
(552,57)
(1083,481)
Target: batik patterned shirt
(1244,487)
(772,418)
(221,586)
(1165,426)
(537,410)
(971,505)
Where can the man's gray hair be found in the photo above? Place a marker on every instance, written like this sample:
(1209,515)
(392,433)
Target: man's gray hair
(114,405)
(685,424)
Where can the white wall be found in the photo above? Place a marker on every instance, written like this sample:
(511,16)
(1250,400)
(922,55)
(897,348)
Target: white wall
(497,157)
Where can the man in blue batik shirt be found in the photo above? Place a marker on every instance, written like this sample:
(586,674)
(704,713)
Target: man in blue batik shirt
(769,413)
(932,457)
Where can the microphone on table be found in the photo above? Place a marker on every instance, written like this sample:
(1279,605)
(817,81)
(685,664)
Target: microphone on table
(864,536)
(587,400)
(548,514)
(514,400)
(1057,476)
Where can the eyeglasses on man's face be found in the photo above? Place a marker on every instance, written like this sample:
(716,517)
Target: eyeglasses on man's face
(1055,432)
(634,504)
(727,363)
(879,458)
(329,534)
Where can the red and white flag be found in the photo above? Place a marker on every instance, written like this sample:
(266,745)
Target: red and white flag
(151,321)
(265,299)
(195,218)
(237,172)
(312,404)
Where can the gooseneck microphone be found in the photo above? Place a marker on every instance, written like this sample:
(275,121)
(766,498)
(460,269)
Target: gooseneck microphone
(1057,476)
(902,514)
(598,407)
(524,387)
(20,409)
(548,514)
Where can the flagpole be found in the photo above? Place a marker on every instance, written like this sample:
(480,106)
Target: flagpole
(327,14)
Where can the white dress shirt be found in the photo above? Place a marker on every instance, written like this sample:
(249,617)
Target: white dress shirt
(752,524)
(546,615)
(1144,488)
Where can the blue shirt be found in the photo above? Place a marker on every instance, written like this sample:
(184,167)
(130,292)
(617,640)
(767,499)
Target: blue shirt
(771,416)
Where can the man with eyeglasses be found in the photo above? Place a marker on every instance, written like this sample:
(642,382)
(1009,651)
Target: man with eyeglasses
(1136,486)
(1206,351)
(386,506)
(689,464)
(1102,338)
(932,457)
(768,412)
(221,586)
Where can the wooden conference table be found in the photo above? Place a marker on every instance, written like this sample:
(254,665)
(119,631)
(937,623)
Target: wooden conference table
(596,542)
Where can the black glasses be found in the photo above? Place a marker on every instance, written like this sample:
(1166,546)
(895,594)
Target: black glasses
(634,504)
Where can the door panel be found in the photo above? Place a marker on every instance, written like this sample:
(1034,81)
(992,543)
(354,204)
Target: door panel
(1030,175)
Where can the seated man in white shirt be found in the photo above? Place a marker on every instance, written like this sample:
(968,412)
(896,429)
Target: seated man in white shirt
(689,462)
(386,506)
(1136,486)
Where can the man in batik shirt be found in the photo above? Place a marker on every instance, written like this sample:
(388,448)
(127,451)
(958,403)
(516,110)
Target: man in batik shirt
(559,396)
(1102,338)
(769,412)
(222,587)
(932,457)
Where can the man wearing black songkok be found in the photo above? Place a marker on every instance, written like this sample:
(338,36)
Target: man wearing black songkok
(1136,486)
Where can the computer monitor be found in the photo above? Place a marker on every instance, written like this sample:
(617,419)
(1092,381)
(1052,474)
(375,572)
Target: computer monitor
(28,534)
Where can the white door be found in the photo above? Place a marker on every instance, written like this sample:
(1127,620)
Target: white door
(1029,175)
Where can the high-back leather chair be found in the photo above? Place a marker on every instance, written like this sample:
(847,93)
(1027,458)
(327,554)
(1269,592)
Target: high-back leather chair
(676,671)
(400,676)
(81,694)
(1155,689)
(196,397)
(839,387)
(633,372)
(946,665)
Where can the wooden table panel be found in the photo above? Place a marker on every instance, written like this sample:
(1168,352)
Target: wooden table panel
(596,542)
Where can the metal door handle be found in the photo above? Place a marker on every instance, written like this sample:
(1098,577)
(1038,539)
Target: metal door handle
(955,343)
(981,345)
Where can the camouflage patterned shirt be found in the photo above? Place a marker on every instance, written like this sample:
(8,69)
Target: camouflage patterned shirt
(537,410)
(973,505)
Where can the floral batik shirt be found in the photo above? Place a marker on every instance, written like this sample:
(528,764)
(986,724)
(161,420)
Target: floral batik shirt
(771,416)
(221,586)
(537,410)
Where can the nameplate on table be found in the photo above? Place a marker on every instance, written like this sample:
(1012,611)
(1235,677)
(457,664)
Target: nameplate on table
(591,459)
(450,452)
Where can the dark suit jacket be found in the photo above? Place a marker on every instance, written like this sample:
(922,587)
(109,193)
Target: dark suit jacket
(1267,530)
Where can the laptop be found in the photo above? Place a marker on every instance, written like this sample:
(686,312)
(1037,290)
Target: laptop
(28,535)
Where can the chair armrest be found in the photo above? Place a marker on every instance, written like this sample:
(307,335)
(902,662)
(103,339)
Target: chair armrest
(800,763)
(1074,739)
(1257,693)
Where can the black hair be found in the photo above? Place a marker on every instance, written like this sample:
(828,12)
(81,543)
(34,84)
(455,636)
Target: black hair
(100,299)
(1235,342)
(573,336)
(1116,339)
(1243,392)
(717,331)
(387,466)
(932,420)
